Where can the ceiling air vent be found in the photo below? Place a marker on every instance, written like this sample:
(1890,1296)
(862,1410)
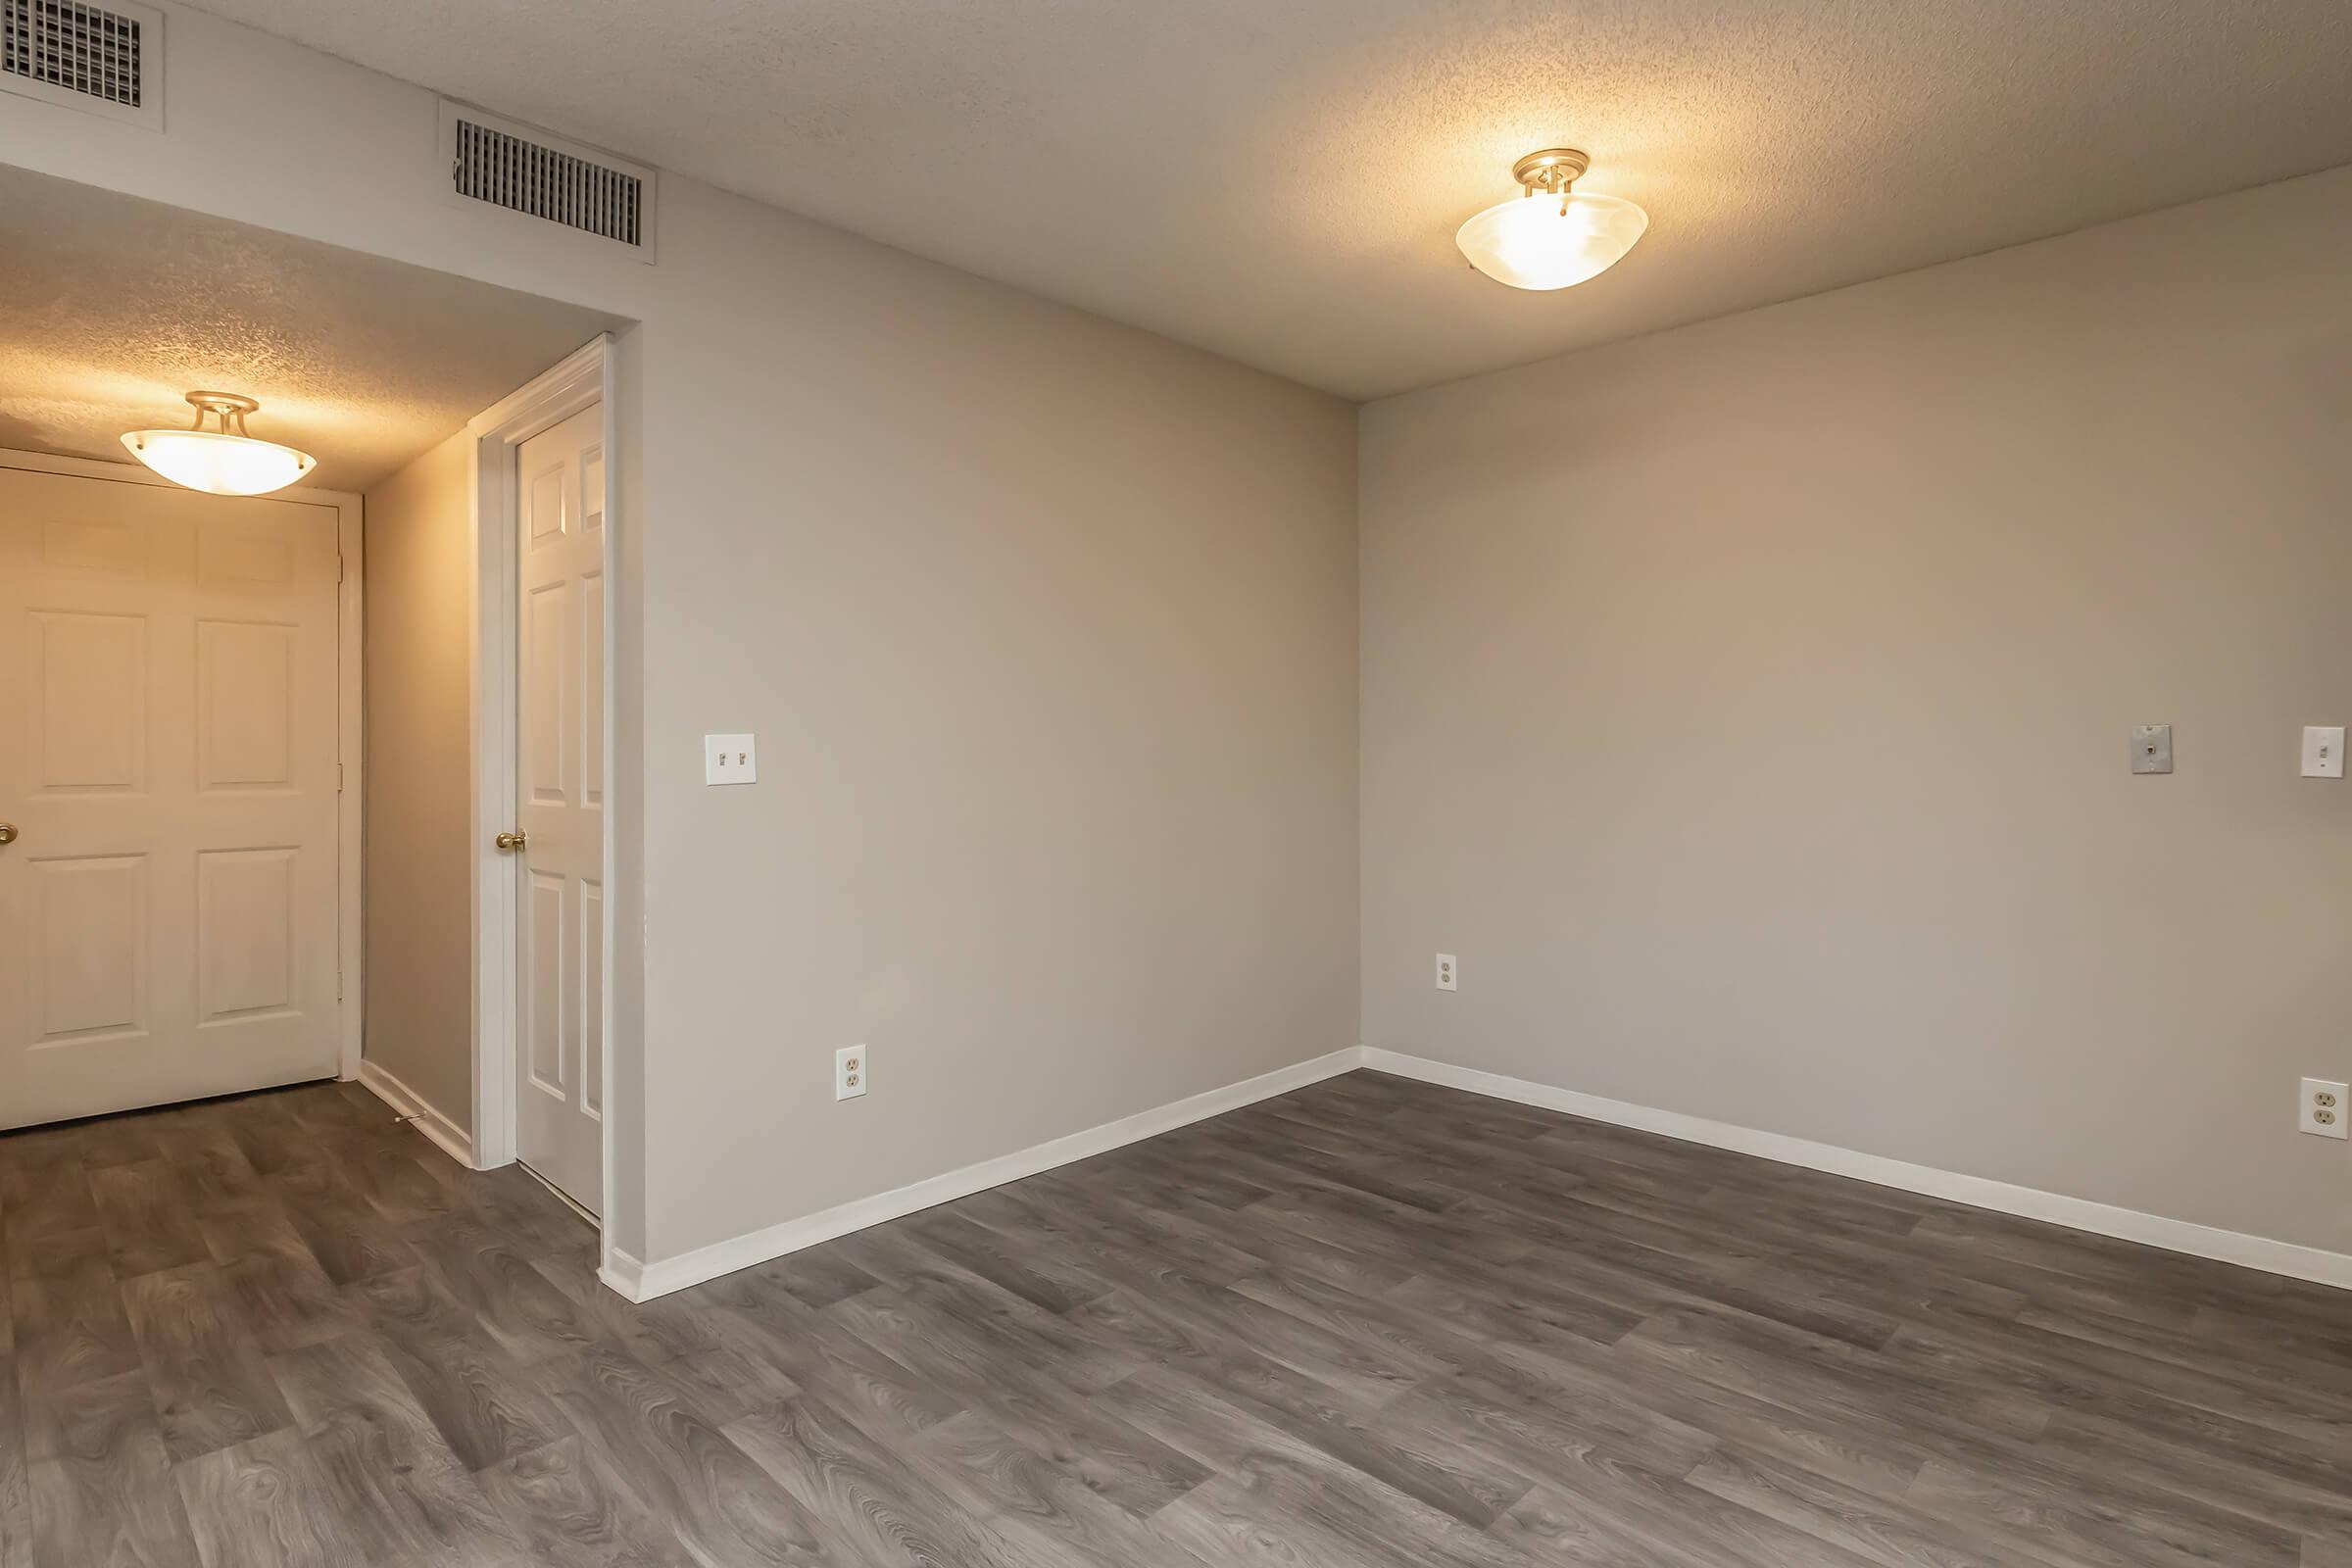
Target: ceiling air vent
(104,58)
(529,172)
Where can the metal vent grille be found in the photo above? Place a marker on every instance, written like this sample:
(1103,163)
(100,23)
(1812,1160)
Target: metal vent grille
(524,176)
(76,48)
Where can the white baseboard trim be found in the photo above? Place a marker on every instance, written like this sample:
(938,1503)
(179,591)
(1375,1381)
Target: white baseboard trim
(1980,1192)
(625,1274)
(642,1282)
(455,1142)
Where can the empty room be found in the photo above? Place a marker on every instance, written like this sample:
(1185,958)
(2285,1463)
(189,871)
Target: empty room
(1030,785)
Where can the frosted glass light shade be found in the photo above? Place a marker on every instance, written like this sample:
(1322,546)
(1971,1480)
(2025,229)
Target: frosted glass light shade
(224,464)
(1543,241)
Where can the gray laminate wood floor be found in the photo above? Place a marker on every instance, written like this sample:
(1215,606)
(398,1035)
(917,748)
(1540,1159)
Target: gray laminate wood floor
(1368,1323)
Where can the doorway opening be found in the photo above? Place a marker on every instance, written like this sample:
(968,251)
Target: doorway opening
(543,487)
(256,751)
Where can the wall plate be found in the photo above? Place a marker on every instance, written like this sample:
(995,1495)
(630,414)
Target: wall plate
(2322,1108)
(850,1072)
(2323,751)
(729,760)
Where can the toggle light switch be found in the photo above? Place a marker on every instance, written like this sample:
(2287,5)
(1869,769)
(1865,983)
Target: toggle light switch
(729,760)
(2324,751)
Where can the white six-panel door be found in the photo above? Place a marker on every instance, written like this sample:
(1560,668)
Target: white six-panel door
(167,755)
(560,777)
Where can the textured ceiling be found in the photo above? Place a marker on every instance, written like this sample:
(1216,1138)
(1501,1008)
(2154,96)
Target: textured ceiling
(1279,181)
(111,308)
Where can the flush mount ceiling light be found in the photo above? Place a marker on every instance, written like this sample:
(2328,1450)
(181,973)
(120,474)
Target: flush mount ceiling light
(226,461)
(1549,236)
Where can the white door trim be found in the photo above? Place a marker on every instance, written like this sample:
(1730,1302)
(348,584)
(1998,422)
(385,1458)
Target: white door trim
(350,945)
(582,378)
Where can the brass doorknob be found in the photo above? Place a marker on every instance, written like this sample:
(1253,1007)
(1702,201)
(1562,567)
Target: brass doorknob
(8,832)
(513,841)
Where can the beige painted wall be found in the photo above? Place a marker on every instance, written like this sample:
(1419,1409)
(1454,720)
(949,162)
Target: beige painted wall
(419,794)
(1046,629)
(1746,706)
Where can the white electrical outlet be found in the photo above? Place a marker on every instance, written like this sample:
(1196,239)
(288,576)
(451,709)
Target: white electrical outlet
(1450,978)
(729,760)
(850,1072)
(2323,1110)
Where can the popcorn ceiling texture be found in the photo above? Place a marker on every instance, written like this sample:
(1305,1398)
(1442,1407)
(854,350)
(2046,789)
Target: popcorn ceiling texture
(1280,181)
(111,308)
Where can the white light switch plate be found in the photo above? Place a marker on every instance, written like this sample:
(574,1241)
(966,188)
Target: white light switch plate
(2323,751)
(729,760)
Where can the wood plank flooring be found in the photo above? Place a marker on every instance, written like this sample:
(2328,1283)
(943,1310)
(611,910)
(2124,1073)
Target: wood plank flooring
(1369,1323)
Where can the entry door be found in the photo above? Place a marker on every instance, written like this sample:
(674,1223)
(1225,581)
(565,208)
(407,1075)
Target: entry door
(559,782)
(167,714)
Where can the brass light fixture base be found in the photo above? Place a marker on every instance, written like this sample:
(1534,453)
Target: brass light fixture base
(1551,171)
(229,408)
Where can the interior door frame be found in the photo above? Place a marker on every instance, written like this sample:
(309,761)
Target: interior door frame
(350,719)
(582,378)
